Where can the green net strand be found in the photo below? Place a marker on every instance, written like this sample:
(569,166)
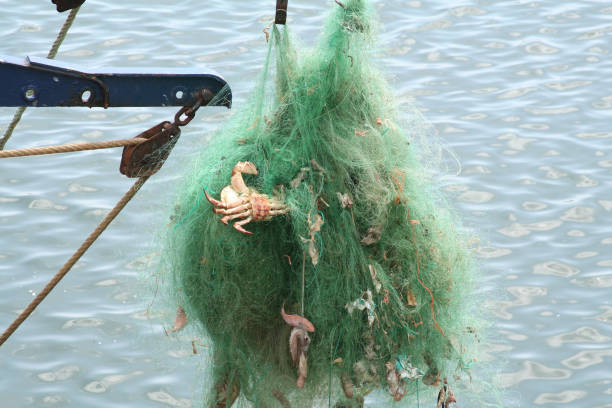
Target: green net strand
(322,130)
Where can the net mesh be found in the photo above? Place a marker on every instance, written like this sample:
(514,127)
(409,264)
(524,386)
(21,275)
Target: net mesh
(368,251)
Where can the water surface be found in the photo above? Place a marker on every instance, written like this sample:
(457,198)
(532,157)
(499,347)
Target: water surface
(520,92)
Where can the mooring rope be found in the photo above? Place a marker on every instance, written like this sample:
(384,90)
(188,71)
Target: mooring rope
(50,55)
(71,147)
(73,259)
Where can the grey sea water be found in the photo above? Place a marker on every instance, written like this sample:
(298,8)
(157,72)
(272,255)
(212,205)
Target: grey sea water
(519,91)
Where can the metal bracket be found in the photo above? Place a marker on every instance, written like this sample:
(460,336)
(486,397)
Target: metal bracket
(44,82)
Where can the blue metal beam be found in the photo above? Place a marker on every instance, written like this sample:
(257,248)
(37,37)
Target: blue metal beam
(43,82)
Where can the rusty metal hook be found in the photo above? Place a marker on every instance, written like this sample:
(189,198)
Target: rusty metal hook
(281,12)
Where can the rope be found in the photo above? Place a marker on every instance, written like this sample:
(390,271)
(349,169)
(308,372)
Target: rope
(11,126)
(62,33)
(73,259)
(50,55)
(71,147)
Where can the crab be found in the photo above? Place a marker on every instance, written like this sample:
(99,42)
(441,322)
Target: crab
(240,201)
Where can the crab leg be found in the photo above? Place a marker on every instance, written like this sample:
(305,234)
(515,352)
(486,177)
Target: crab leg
(234,216)
(238,225)
(277,206)
(235,210)
(277,212)
(214,202)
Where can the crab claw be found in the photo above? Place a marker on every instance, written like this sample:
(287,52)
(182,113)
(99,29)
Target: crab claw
(245,167)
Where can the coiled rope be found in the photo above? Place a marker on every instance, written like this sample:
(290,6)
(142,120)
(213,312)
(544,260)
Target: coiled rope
(73,259)
(50,55)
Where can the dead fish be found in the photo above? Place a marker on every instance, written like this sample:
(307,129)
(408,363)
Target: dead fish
(298,343)
(297,321)
(302,370)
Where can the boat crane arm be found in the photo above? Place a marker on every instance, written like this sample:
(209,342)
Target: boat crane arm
(41,82)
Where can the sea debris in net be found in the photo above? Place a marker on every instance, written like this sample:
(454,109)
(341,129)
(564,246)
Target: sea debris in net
(406,370)
(299,177)
(362,303)
(347,385)
(345,200)
(432,376)
(372,236)
(365,372)
(411,299)
(395,176)
(445,396)
(223,393)
(313,228)
(317,167)
(180,321)
(377,284)
(280,397)
(397,386)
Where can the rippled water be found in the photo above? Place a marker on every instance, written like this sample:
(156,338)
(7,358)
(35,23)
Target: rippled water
(521,93)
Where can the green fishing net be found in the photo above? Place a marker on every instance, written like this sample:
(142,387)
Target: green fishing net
(368,251)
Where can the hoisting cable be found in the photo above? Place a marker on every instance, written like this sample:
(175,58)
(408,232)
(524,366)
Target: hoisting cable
(52,53)
(73,259)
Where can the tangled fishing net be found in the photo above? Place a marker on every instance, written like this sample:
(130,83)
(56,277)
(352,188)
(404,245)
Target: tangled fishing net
(356,240)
